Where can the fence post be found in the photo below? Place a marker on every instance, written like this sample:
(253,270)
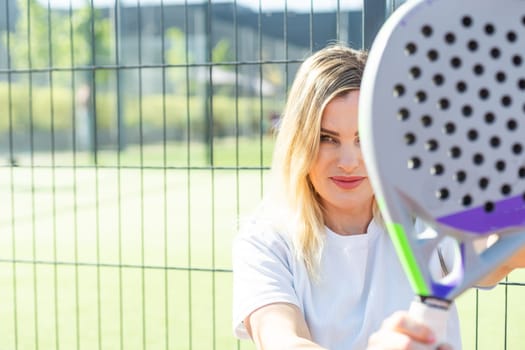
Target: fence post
(375,12)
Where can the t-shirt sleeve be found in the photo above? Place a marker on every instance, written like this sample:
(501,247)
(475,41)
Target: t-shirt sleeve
(262,275)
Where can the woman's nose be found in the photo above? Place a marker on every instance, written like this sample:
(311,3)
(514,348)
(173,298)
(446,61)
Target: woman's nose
(349,158)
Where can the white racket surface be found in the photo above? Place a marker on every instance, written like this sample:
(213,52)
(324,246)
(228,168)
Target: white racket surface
(442,127)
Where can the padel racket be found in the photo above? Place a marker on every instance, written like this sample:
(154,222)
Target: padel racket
(442,129)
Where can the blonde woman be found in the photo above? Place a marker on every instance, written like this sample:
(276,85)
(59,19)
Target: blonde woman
(314,267)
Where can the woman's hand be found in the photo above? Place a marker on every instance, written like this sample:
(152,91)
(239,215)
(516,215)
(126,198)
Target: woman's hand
(402,332)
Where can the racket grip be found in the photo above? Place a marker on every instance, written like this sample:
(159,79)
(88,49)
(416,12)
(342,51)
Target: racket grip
(435,317)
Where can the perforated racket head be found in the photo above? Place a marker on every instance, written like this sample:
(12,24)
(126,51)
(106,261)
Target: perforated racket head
(442,120)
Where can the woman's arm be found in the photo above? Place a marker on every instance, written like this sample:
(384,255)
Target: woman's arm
(516,261)
(279,326)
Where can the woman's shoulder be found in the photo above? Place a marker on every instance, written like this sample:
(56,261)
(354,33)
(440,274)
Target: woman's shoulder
(260,243)
(261,231)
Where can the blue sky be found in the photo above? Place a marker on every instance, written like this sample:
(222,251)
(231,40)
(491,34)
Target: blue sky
(265,5)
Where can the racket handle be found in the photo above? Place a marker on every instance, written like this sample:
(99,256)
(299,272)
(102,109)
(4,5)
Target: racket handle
(434,317)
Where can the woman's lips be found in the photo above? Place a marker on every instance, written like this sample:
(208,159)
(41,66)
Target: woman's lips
(347,182)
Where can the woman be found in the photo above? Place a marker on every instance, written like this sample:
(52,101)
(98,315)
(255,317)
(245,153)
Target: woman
(314,267)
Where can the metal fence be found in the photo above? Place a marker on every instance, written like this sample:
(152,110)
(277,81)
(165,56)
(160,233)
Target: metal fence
(133,134)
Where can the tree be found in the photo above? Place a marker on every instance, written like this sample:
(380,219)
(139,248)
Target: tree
(46,37)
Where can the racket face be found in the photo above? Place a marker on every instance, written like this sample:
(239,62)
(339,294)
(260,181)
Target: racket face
(443,105)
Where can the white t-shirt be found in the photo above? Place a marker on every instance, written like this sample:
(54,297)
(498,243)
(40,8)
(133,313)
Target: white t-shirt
(361,284)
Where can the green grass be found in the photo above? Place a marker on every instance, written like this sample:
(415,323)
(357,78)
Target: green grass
(497,314)
(139,258)
(224,152)
(123,258)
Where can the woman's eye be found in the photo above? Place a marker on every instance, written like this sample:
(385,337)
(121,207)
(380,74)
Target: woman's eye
(327,138)
(357,141)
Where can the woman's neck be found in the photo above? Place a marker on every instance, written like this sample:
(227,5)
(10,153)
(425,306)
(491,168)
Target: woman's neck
(349,222)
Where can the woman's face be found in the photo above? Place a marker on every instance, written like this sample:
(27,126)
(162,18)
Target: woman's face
(339,175)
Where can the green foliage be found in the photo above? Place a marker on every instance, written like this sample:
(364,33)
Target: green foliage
(46,38)
(39,107)
(222,52)
(177,54)
(182,115)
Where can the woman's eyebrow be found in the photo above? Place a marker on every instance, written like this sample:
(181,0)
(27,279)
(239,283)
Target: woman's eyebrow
(326,131)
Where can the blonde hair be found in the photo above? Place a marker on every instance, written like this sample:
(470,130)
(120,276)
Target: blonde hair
(330,72)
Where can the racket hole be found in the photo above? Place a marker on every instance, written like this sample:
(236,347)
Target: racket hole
(410,49)
(506,189)
(431,145)
(452,266)
(511,36)
(500,165)
(517,148)
(472,45)
(443,104)
(438,79)
(489,117)
(483,183)
(478,69)
(460,176)
(443,193)
(521,172)
(403,114)
(466,200)
(399,90)
(489,29)
(495,53)
(500,77)
(450,38)
(449,128)
(512,124)
(478,159)
(421,96)
(414,163)
(466,111)
(506,101)
(516,60)
(426,121)
(437,169)
(495,142)
(489,207)
(461,86)
(454,152)
(484,93)
(415,72)
(466,21)
(472,134)
(455,62)
(410,138)
(427,31)
(432,55)
(521,84)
